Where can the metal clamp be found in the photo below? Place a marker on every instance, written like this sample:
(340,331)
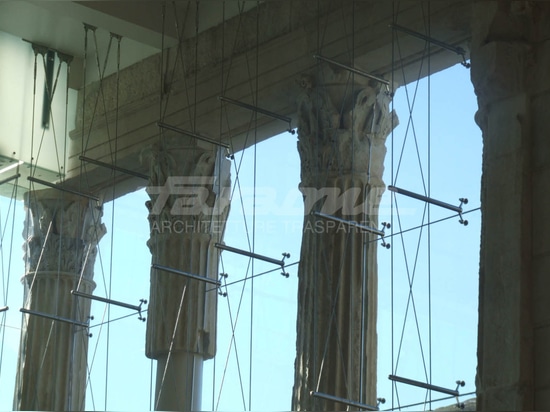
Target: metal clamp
(222,276)
(385,225)
(462,221)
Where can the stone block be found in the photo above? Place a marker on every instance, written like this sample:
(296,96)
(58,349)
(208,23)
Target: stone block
(498,70)
(541,289)
(542,358)
(542,399)
(502,275)
(538,79)
(541,211)
(540,124)
(506,126)
(505,398)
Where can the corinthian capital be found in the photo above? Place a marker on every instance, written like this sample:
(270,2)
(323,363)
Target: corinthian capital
(343,126)
(61,232)
(189,187)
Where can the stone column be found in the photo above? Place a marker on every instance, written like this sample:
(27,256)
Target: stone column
(189,192)
(61,236)
(510,58)
(342,132)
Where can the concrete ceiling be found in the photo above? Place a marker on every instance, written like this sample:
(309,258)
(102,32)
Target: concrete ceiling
(145,25)
(288,37)
(169,17)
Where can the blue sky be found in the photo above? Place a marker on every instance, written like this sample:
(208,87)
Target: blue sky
(263,312)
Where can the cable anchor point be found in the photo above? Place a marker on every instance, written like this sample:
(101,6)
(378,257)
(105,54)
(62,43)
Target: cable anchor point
(285,256)
(459,383)
(140,316)
(229,155)
(462,221)
(90,318)
(464,61)
(223,276)
(385,225)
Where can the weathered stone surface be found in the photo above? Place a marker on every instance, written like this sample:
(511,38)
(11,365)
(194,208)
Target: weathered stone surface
(342,130)
(542,398)
(509,40)
(61,232)
(189,192)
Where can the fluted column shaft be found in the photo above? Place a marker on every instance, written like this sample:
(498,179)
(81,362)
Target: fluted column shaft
(342,131)
(61,233)
(189,192)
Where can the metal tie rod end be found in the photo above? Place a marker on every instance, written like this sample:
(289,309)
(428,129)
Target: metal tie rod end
(385,225)
(54,317)
(349,223)
(352,69)
(186,274)
(192,134)
(458,50)
(5,308)
(359,226)
(423,385)
(259,110)
(137,308)
(462,221)
(457,209)
(252,255)
(344,401)
(220,292)
(284,273)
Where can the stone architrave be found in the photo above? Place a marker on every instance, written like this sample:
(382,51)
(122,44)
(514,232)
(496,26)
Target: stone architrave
(189,190)
(61,236)
(342,130)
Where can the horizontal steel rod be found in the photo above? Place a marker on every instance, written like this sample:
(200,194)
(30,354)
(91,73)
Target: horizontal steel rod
(423,385)
(9,179)
(352,69)
(350,223)
(5,308)
(344,401)
(256,109)
(188,275)
(401,407)
(113,167)
(456,209)
(458,50)
(195,135)
(53,317)
(110,301)
(63,189)
(250,254)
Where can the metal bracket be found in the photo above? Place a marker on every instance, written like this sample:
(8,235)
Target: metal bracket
(222,276)
(113,302)
(260,110)
(462,221)
(253,255)
(385,225)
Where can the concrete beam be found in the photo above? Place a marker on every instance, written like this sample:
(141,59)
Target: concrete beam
(263,70)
